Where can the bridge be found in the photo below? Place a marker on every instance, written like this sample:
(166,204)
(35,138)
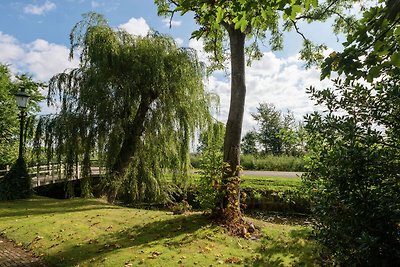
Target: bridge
(54,173)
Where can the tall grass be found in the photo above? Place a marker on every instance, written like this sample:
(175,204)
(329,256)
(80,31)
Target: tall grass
(272,163)
(265,163)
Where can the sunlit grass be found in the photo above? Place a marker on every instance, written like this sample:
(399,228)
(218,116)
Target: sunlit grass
(94,233)
(270,183)
(254,182)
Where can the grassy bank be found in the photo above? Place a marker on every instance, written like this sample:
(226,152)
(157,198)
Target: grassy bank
(94,233)
(265,163)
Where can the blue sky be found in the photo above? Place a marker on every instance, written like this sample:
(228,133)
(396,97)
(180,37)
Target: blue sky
(34,39)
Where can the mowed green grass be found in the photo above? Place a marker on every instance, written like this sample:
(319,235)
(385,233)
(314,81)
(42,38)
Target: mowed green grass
(257,182)
(90,232)
(270,183)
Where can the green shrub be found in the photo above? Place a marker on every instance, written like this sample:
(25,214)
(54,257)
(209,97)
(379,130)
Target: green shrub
(272,163)
(353,173)
(16,184)
(195,160)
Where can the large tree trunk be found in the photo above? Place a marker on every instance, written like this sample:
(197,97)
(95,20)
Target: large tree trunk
(231,181)
(133,132)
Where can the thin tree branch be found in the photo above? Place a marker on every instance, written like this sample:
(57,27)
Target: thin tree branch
(321,15)
(298,30)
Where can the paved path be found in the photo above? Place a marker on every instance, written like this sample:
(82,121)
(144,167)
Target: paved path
(273,174)
(14,256)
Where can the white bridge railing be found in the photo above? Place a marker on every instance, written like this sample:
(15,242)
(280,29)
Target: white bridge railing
(55,172)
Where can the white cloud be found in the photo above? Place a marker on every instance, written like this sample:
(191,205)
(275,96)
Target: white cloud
(39,9)
(136,26)
(171,23)
(179,41)
(45,59)
(39,58)
(280,81)
(95,4)
(198,46)
(10,50)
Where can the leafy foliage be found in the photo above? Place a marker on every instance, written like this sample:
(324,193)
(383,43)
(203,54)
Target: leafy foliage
(373,48)
(353,172)
(9,122)
(278,133)
(249,143)
(17,183)
(256,19)
(353,168)
(211,167)
(134,102)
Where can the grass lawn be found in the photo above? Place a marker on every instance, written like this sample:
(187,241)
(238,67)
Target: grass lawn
(270,183)
(257,182)
(90,232)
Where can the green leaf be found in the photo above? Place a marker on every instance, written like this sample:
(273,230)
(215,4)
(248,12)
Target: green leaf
(220,14)
(295,10)
(395,59)
(373,73)
(241,24)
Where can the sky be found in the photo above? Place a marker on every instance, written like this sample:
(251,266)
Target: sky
(34,39)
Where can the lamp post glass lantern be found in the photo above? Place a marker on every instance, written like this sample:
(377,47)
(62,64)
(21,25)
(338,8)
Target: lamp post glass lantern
(22,101)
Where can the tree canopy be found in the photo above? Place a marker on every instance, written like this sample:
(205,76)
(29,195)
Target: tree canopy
(373,48)
(9,122)
(134,101)
(241,25)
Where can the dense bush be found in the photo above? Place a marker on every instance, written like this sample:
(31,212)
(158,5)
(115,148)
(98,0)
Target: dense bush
(353,172)
(16,183)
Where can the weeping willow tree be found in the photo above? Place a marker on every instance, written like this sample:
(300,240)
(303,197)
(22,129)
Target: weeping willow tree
(134,102)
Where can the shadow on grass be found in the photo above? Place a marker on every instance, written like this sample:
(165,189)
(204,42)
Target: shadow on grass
(293,249)
(168,233)
(41,206)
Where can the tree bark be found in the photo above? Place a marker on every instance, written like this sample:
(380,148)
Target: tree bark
(234,125)
(238,95)
(130,143)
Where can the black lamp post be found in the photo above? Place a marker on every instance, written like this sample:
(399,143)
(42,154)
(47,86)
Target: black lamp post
(22,101)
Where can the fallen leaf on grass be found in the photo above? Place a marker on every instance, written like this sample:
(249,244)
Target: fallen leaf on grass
(205,249)
(54,245)
(233,260)
(154,254)
(93,241)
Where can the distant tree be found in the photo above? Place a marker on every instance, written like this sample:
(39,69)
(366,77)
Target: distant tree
(9,122)
(250,142)
(136,101)
(270,122)
(353,164)
(16,183)
(278,133)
